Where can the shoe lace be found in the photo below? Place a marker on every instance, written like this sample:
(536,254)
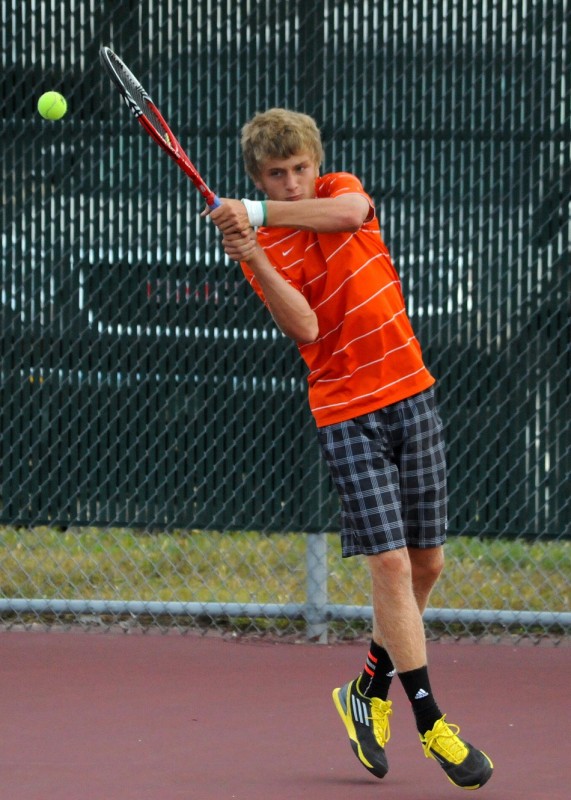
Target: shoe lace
(380,713)
(444,739)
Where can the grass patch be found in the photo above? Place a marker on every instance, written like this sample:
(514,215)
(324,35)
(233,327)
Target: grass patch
(484,573)
(203,566)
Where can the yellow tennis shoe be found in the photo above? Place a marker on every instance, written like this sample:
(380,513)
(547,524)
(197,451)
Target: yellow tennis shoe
(366,720)
(465,766)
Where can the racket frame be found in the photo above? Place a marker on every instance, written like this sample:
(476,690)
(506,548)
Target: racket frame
(166,140)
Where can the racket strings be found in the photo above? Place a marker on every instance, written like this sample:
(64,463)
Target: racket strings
(141,98)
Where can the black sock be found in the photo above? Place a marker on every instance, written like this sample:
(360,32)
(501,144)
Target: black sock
(417,688)
(375,680)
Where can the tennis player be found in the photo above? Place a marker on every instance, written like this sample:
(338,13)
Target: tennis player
(313,252)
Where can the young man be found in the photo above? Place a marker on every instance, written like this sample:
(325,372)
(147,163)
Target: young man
(319,264)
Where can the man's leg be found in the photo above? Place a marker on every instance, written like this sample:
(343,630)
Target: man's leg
(398,607)
(397,619)
(383,463)
(398,626)
(379,670)
(426,565)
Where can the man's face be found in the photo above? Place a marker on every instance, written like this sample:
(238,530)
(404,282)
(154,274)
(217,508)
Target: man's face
(290,178)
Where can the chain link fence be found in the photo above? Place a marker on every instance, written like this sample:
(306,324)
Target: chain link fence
(159,464)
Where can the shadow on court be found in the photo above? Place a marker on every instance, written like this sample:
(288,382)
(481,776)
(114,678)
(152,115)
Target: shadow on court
(108,716)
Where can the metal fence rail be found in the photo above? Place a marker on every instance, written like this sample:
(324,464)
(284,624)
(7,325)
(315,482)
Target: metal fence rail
(146,395)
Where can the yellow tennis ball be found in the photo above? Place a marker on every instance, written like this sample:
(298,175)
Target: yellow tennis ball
(52,105)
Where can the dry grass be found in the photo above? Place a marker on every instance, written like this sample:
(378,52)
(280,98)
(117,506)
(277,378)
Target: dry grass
(203,566)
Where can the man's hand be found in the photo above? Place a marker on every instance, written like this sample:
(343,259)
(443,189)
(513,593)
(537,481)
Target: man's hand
(231,217)
(240,246)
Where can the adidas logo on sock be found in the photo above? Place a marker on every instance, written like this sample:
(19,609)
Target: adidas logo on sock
(420,694)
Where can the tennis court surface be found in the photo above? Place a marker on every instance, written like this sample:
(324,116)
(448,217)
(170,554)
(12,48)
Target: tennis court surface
(109,716)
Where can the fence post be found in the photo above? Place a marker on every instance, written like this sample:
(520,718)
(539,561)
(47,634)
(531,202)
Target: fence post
(316,601)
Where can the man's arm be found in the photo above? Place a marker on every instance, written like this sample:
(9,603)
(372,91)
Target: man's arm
(289,308)
(291,312)
(346,212)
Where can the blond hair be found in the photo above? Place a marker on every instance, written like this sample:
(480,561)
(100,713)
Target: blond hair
(278,133)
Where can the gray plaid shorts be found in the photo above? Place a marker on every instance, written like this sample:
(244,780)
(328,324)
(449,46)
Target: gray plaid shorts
(390,472)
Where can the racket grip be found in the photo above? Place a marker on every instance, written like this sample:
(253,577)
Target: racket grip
(215,203)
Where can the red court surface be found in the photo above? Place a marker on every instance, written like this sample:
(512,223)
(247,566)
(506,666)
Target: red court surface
(108,716)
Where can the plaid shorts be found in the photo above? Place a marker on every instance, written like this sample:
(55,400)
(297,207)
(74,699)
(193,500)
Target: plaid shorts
(390,472)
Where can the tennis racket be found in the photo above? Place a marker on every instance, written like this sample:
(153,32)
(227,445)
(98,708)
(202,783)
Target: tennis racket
(148,115)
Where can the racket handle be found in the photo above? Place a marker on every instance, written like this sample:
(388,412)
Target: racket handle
(215,203)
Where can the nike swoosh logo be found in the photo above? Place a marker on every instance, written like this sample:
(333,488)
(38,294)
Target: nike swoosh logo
(287,252)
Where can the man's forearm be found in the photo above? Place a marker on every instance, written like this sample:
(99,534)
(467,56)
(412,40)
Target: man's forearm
(289,308)
(323,215)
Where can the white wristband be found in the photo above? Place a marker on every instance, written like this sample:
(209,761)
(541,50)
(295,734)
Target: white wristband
(256,211)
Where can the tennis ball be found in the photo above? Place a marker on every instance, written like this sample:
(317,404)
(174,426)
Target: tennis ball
(52,105)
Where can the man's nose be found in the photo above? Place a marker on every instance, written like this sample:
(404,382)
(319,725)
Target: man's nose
(290,180)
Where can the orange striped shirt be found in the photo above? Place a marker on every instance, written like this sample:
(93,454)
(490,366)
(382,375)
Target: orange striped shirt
(366,356)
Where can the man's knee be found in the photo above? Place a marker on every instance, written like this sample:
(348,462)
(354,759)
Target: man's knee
(427,564)
(392,565)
